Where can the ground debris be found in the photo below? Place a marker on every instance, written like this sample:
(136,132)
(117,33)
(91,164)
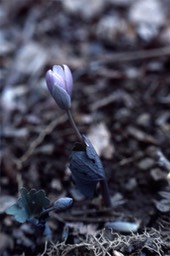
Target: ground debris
(100,138)
(118,51)
(101,243)
(141,136)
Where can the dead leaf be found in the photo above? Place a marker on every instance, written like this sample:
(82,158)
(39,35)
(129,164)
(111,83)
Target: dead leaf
(100,138)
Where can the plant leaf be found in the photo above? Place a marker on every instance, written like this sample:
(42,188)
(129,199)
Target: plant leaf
(86,167)
(21,215)
(29,205)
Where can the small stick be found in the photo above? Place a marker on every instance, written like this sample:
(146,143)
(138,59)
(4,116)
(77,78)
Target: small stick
(134,55)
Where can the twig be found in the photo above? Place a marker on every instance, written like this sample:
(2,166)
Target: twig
(136,55)
(95,212)
(45,248)
(34,144)
(103,219)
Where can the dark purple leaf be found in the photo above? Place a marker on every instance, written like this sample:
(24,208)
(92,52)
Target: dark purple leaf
(86,167)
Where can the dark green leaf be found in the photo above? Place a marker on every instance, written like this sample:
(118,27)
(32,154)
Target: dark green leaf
(20,214)
(29,205)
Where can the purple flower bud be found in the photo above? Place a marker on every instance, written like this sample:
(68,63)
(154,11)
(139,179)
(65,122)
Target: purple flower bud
(63,204)
(60,82)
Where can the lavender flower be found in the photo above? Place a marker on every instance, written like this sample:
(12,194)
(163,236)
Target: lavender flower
(60,83)
(85,164)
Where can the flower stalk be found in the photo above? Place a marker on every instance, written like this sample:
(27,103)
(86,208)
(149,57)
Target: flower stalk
(75,128)
(105,192)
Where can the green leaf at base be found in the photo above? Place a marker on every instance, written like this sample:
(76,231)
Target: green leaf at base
(29,205)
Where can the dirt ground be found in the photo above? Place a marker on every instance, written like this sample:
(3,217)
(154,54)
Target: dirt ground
(119,54)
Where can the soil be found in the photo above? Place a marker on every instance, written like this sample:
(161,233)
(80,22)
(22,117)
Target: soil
(121,101)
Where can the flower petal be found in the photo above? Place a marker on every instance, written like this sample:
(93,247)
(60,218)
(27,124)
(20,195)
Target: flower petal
(60,82)
(54,80)
(68,79)
(61,97)
(58,70)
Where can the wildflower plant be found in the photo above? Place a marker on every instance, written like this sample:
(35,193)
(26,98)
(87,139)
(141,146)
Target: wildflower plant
(85,165)
(33,206)
(87,170)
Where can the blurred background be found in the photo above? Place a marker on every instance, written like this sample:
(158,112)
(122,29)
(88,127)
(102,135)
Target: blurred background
(119,53)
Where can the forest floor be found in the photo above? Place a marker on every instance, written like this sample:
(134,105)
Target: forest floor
(119,54)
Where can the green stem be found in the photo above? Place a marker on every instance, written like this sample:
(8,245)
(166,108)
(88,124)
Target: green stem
(73,124)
